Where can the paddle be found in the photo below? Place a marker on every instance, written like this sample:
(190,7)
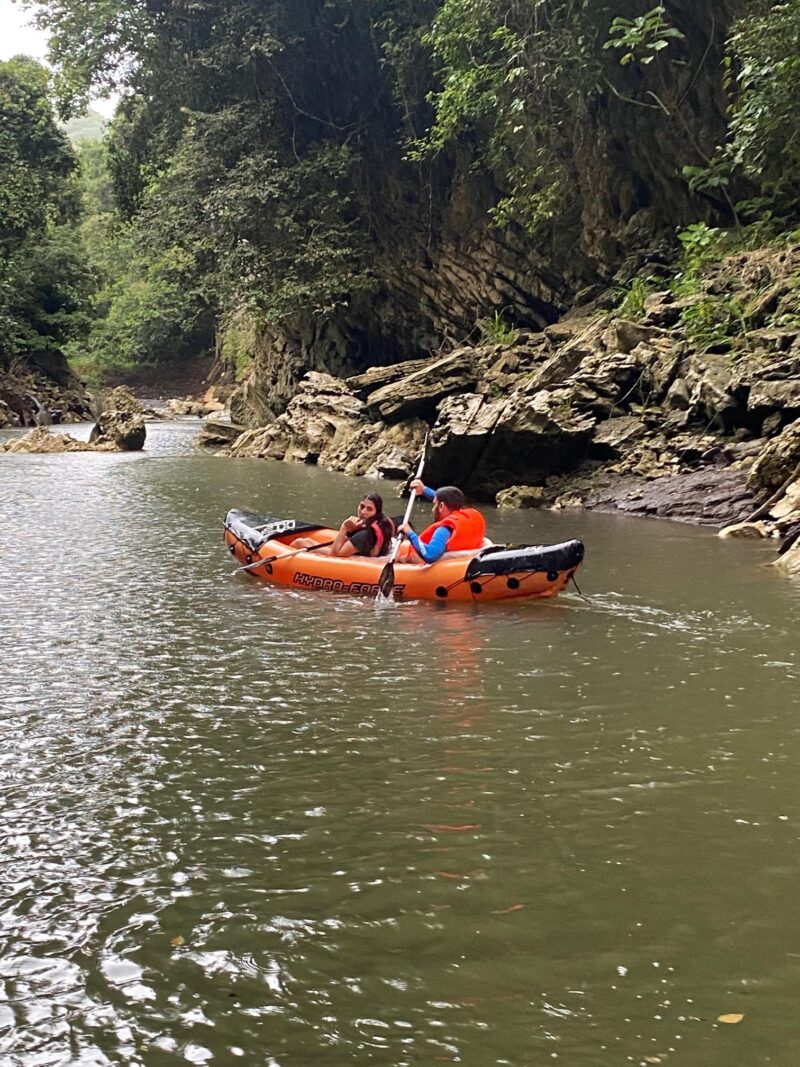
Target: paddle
(386,579)
(287,555)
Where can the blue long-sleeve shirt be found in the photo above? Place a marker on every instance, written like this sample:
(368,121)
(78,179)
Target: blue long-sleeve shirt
(437,546)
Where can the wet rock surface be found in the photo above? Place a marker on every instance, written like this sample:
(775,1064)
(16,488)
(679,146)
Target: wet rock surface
(123,431)
(709,497)
(46,440)
(522,496)
(218,431)
(41,439)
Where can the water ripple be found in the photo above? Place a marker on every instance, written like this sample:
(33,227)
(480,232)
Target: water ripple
(242,823)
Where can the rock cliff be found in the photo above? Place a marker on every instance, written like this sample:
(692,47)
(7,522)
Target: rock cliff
(595,410)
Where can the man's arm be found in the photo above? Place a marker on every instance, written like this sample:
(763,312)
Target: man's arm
(436,547)
(422,490)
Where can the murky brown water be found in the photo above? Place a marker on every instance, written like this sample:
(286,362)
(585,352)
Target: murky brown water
(242,824)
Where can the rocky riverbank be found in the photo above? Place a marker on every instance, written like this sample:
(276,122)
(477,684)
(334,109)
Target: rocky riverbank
(42,390)
(120,427)
(596,411)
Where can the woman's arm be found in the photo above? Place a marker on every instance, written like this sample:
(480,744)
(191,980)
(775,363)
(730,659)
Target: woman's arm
(342,545)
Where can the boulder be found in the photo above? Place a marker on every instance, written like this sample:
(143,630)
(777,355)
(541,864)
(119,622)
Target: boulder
(789,562)
(376,377)
(218,432)
(41,439)
(662,309)
(624,335)
(418,394)
(486,445)
(661,359)
(678,397)
(777,461)
(709,497)
(745,530)
(186,406)
(785,512)
(212,401)
(605,381)
(616,436)
(577,326)
(772,424)
(710,381)
(775,395)
(324,423)
(554,370)
(122,399)
(123,431)
(501,369)
(521,496)
(393,451)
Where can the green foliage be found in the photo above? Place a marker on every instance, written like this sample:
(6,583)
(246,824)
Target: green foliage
(714,322)
(277,236)
(35,156)
(234,156)
(94,47)
(764,78)
(52,283)
(510,73)
(246,156)
(633,298)
(788,316)
(714,176)
(642,38)
(701,244)
(145,313)
(239,335)
(495,330)
(97,194)
(46,280)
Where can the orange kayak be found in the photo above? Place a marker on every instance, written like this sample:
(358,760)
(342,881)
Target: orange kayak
(493,572)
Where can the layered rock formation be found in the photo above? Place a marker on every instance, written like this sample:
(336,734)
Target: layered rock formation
(775,479)
(593,411)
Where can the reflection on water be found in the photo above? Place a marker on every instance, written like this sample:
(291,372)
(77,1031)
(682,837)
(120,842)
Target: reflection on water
(253,824)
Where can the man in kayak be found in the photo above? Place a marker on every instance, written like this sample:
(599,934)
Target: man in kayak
(455,527)
(369,533)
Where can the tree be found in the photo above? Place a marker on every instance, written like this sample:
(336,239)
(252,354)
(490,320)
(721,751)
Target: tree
(765,85)
(35,156)
(44,277)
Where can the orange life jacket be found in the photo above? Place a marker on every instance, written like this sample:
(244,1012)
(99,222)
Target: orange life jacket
(468,526)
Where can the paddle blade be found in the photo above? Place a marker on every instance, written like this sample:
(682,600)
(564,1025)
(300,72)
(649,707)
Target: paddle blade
(386,581)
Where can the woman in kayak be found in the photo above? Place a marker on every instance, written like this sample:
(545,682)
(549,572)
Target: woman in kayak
(369,533)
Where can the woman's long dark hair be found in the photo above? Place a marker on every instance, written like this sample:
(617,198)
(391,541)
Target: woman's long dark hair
(387,527)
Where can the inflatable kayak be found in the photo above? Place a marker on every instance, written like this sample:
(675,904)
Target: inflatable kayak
(263,546)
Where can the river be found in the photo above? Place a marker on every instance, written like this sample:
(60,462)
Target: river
(250,825)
